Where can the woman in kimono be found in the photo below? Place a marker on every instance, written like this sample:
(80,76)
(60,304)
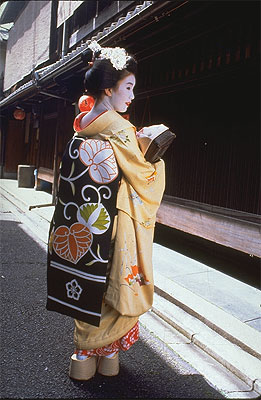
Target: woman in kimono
(101,235)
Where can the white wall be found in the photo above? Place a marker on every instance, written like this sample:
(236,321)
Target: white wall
(28,43)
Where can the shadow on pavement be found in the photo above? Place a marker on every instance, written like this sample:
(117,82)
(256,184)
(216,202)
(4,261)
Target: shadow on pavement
(37,344)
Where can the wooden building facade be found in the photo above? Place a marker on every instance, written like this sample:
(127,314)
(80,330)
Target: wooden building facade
(198,74)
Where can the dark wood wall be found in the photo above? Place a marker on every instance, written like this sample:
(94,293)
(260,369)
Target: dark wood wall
(15,147)
(202,80)
(54,120)
(215,158)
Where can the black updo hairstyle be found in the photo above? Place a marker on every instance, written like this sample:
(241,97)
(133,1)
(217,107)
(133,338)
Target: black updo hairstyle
(102,75)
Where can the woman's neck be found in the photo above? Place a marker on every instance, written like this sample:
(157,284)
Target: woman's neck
(103,105)
(97,109)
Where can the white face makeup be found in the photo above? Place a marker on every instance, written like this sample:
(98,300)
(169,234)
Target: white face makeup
(122,95)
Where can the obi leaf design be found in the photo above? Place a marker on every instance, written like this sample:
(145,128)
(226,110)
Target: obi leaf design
(72,243)
(95,217)
(99,157)
(102,220)
(87,210)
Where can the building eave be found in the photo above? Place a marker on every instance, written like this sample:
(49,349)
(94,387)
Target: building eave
(10,10)
(42,77)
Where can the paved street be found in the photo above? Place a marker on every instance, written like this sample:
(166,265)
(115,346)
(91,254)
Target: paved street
(36,344)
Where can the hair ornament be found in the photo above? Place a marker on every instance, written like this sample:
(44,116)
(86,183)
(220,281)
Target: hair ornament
(117,55)
(94,46)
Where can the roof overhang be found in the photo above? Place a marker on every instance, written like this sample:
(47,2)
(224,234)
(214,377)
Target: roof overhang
(9,10)
(43,77)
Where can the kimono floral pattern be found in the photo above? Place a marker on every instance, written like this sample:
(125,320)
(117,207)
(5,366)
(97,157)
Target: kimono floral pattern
(136,276)
(135,198)
(121,138)
(124,343)
(99,157)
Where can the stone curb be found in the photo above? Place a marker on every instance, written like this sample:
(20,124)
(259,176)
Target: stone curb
(37,223)
(214,317)
(242,364)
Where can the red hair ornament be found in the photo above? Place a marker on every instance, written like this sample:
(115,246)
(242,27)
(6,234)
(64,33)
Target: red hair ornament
(85,103)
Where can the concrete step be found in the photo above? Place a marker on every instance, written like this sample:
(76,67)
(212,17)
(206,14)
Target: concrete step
(237,360)
(235,297)
(231,328)
(38,220)
(174,347)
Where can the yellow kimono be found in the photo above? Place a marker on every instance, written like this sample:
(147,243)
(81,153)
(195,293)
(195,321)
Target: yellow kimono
(130,288)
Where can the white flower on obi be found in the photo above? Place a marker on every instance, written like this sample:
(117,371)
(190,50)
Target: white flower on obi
(98,155)
(74,290)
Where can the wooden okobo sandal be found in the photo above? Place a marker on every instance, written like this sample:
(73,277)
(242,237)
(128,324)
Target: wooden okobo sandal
(82,370)
(109,366)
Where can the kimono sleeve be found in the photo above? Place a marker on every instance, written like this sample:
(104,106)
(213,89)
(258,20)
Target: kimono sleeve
(143,183)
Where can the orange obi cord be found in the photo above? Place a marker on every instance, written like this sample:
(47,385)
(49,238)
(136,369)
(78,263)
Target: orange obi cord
(123,343)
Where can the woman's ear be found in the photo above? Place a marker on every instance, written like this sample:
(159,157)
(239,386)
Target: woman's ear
(108,92)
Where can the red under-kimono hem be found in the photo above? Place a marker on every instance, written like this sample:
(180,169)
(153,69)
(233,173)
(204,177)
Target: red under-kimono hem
(123,343)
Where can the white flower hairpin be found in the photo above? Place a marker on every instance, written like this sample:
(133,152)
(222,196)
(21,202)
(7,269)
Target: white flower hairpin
(94,46)
(117,55)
